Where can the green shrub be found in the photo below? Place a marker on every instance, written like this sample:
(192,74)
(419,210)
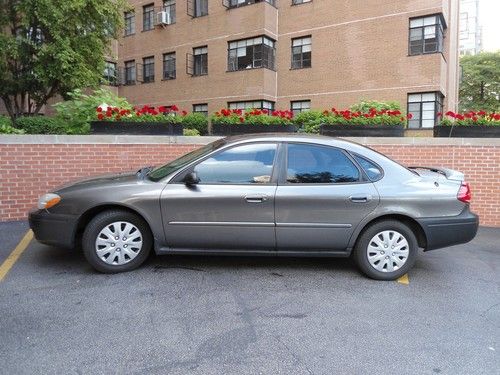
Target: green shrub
(81,108)
(41,125)
(309,120)
(196,121)
(6,126)
(366,105)
(191,132)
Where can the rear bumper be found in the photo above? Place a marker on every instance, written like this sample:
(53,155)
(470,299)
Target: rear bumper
(53,229)
(447,231)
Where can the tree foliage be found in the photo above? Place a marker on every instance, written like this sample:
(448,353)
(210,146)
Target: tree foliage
(480,87)
(50,47)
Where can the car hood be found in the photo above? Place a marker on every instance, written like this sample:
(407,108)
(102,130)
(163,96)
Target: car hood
(107,179)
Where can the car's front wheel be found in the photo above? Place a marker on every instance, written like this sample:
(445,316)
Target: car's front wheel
(116,241)
(386,250)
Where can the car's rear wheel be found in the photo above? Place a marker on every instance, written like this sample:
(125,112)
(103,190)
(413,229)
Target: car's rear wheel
(386,250)
(116,241)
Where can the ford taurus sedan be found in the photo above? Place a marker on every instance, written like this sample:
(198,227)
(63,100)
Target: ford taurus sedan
(280,195)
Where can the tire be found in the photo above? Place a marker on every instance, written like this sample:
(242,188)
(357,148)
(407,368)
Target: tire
(113,254)
(374,253)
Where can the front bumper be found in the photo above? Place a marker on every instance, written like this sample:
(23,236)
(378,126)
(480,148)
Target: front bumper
(448,231)
(53,229)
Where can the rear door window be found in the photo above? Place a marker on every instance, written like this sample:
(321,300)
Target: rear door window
(371,169)
(313,164)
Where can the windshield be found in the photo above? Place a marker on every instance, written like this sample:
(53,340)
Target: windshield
(163,171)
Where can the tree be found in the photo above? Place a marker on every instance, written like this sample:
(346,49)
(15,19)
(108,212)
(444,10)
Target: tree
(50,47)
(480,87)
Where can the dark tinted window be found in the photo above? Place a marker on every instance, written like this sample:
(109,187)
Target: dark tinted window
(247,164)
(319,164)
(371,169)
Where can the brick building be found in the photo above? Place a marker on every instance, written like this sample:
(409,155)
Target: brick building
(203,55)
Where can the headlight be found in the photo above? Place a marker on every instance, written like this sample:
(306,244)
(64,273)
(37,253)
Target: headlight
(48,200)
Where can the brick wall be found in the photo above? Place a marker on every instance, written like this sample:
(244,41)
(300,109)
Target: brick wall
(29,170)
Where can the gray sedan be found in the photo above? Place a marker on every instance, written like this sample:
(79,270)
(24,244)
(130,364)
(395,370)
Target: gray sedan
(280,195)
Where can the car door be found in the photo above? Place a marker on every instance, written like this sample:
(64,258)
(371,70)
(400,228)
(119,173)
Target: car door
(232,206)
(321,197)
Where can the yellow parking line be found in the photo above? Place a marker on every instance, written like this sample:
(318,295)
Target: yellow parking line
(404,279)
(14,256)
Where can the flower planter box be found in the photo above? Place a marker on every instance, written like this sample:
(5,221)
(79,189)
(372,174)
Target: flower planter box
(466,131)
(362,130)
(135,128)
(237,129)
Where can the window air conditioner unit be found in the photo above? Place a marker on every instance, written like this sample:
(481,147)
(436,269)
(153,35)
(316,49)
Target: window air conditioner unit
(163,18)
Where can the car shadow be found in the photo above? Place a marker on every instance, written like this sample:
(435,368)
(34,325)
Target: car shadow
(61,260)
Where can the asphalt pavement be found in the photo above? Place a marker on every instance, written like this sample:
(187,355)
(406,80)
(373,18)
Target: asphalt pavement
(230,315)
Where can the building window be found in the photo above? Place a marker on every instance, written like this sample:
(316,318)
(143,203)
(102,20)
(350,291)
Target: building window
(254,104)
(200,8)
(240,3)
(130,72)
(168,15)
(200,63)
(301,52)
(424,108)
(201,108)
(148,69)
(148,17)
(129,23)
(251,53)
(426,35)
(300,106)
(297,2)
(110,75)
(169,71)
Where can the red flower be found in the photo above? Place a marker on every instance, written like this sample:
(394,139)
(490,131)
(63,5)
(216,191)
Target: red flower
(242,119)
(460,117)
(409,116)
(100,116)
(481,113)
(174,108)
(439,114)
(99,109)
(184,113)
(474,118)
(162,109)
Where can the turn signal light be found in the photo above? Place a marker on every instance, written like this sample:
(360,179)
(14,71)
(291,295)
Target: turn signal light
(464,193)
(48,200)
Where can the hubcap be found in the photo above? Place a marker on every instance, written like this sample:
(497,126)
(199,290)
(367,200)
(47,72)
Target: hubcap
(387,251)
(118,243)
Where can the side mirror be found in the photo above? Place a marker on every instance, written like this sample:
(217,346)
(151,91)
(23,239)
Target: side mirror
(191,179)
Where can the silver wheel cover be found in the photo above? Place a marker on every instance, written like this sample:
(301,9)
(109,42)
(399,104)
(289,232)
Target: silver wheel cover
(118,243)
(388,251)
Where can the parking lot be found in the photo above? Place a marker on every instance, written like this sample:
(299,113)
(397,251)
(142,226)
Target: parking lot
(213,315)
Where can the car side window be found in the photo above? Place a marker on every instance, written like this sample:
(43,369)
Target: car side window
(245,164)
(371,169)
(311,164)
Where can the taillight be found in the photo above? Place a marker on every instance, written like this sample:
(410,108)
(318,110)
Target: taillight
(464,193)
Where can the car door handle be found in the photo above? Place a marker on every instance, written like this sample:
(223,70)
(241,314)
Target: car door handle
(256,198)
(360,198)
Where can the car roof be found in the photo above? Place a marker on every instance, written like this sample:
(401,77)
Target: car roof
(289,137)
(294,137)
